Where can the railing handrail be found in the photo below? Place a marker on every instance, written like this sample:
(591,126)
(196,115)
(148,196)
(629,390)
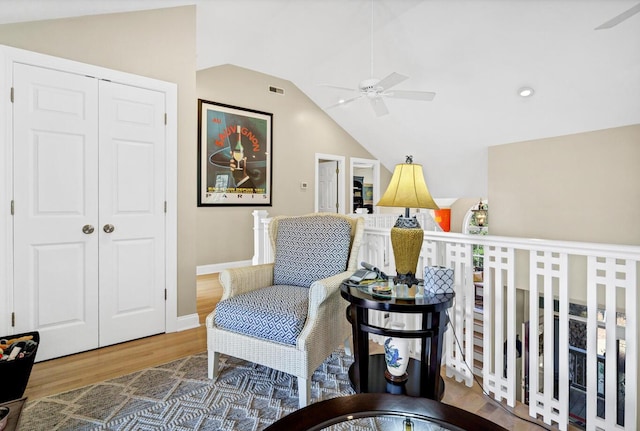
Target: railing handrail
(571,247)
(629,251)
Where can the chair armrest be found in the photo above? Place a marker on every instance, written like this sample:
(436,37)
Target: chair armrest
(236,281)
(324,315)
(320,290)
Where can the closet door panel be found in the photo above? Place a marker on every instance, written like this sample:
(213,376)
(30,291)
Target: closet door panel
(132,218)
(56,195)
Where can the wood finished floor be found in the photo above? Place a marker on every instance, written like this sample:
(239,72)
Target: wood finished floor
(71,372)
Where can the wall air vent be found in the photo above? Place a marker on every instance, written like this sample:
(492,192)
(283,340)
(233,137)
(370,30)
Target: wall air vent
(276,90)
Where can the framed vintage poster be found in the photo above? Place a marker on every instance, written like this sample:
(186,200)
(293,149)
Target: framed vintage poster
(234,155)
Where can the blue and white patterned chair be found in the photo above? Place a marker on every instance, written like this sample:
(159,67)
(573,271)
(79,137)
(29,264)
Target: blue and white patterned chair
(289,315)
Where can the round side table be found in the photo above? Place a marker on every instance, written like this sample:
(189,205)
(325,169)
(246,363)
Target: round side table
(367,371)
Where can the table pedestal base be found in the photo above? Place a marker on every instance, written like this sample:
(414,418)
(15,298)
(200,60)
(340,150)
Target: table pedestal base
(379,384)
(395,379)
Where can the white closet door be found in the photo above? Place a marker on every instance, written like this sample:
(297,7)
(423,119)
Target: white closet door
(56,195)
(132,195)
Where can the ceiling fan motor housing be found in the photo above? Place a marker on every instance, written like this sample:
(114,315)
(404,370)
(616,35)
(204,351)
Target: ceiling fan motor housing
(370,87)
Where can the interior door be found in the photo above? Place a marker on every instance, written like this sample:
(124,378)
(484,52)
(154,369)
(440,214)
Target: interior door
(328,187)
(55,158)
(132,217)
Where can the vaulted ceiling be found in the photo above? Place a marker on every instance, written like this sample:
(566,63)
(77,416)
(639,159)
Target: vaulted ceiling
(475,54)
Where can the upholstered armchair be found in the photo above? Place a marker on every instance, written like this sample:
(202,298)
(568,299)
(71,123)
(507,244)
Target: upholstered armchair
(288,315)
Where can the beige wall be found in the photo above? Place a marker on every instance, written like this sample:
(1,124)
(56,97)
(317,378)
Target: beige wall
(159,44)
(459,211)
(582,187)
(300,130)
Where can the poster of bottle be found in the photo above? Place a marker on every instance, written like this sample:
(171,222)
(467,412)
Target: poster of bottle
(234,155)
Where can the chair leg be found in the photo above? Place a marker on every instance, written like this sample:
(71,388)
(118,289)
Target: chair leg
(304,391)
(212,364)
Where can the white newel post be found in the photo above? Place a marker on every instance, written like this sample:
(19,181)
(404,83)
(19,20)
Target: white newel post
(259,236)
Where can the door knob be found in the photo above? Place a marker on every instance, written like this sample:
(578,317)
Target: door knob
(108,228)
(87,228)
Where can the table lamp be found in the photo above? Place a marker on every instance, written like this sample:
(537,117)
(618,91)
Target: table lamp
(409,190)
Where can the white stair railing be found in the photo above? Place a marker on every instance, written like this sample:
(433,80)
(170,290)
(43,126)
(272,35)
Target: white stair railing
(534,281)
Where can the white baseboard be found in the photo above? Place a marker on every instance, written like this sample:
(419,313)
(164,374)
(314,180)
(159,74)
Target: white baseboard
(190,321)
(217,267)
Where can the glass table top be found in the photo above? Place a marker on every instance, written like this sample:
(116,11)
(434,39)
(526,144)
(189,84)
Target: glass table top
(386,421)
(382,289)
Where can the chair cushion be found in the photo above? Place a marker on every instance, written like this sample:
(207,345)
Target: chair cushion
(275,313)
(310,248)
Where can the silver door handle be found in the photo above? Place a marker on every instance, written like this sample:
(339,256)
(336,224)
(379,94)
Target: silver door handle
(108,228)
(87,228)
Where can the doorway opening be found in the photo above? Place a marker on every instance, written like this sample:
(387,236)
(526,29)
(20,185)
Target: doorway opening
(365,179)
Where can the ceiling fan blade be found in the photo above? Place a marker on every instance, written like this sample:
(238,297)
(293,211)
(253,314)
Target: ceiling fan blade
(344,102)
(391,80)
(619,18)
(338,87)
(413,95)
(379,107)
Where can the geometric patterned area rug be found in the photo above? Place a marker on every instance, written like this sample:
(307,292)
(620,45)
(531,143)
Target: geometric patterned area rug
(179,396)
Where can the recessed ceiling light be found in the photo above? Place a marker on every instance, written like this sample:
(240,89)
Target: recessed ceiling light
(525,92)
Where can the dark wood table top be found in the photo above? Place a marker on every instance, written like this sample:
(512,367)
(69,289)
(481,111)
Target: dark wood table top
(359,296)
(322,414)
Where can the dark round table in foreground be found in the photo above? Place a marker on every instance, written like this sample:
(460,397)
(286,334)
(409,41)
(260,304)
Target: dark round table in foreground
(391,410)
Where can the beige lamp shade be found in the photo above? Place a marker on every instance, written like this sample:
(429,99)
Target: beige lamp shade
(407,189)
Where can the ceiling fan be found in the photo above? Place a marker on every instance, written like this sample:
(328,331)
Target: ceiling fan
(376,90)
(619,18)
